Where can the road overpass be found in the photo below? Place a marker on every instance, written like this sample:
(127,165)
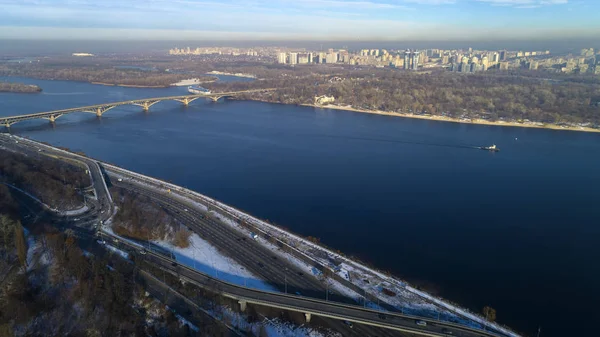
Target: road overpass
(145,103)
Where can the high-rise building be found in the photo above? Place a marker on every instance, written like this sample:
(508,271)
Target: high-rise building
(503,55)
(310,58)
(533,65)
(302,58)
(322,57)
(415,60)
(331,57)
(407,59)
(293,58)
(281,58)
(485,63)
(495,58)
(445,59)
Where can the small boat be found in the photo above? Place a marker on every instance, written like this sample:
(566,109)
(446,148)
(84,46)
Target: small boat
(491,148)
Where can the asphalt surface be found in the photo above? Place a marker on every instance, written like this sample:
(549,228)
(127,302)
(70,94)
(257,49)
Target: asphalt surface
(255,257)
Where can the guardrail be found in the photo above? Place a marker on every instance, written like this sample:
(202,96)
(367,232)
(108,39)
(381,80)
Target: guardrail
(239,215)
(244,294)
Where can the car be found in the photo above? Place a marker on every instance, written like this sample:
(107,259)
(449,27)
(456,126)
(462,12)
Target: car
(261,265)
(174,264)
(421,323)
(185,209)
(298,293)
(382,316)
(349,324)
(447,332)
(300,273)
(143,252)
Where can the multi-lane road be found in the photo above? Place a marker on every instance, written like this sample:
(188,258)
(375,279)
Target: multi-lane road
(258,259)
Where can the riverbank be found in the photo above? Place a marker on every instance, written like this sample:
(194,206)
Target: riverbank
(214,72)
(456,120)
(192,81)
(130,85)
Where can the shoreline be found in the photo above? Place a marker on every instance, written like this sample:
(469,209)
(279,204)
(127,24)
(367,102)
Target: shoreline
(453,120)
(131,85)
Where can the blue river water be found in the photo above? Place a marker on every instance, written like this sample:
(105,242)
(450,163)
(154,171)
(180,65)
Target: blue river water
(517,230)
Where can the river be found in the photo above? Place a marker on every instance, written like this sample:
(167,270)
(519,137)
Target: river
(517,230)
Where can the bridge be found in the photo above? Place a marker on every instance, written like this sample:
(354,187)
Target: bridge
(100,109)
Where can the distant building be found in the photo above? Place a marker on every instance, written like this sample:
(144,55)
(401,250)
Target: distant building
(282,58)
(495,58)
(302,58)
(533,65)
(82,54)
(503,55)
(321,100)
(293,58)
(415,60)
(331,57)
(407,59)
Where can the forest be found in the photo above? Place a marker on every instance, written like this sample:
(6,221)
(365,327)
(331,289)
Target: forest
(492,95)
(64,291)
(138,217)
(54,182)
(95,74)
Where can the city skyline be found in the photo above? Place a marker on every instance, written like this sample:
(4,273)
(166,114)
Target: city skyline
(299,19)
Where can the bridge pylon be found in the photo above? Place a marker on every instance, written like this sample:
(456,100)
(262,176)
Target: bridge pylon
(242,305)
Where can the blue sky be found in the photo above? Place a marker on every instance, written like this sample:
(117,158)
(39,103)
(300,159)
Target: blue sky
(299,19)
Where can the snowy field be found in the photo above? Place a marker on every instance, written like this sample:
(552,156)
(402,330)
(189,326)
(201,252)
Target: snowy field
(205,258)
(268,327)
(386,289)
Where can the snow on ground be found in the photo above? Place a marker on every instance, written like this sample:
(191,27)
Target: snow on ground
(190,81)
(205,258)
(116,250)
(400,294)
(76,211)
(272,327)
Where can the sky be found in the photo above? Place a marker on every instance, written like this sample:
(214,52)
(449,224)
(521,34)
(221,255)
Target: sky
(299,19)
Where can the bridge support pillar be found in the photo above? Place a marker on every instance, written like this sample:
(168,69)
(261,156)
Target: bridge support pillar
(145,106)
(52,119)
(7,125)
(215,99)
(242,305)
(185,102)
(99,112)
(307,315)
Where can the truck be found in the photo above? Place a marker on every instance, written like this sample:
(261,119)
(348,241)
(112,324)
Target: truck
(254,235)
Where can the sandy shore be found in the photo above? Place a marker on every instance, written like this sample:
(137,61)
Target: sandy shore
(455,120)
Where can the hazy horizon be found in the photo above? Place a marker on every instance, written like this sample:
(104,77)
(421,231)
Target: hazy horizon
(389,20)
(20,47)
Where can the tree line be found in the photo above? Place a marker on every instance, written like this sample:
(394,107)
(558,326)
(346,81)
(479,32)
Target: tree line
(490,95)
(55,183)
(138,217)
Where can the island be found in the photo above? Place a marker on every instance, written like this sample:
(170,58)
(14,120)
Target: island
(19,88)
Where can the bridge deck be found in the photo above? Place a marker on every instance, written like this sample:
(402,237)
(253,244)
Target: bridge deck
(146,102)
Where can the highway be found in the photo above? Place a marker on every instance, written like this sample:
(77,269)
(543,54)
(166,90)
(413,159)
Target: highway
(255,257)
(258,259)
